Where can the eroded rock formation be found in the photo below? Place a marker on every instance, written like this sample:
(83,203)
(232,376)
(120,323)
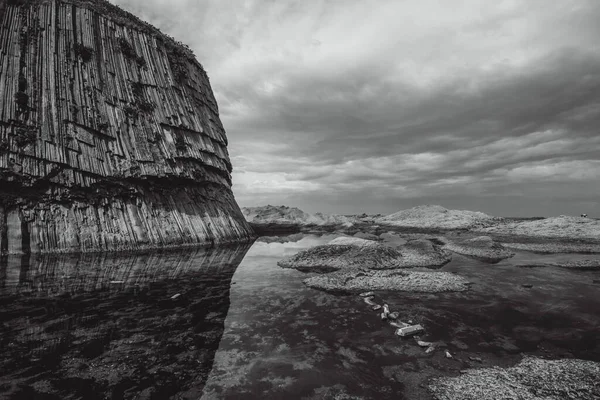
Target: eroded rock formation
(110,137)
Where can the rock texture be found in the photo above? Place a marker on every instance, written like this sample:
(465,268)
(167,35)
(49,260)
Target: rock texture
(343,253)
(437,217)
(555,227)
(352,252)
(532,379)
(423,253)
(110,135)
(483,248)
(407,281)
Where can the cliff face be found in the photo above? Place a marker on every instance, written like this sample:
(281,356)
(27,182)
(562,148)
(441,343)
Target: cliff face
(110,137)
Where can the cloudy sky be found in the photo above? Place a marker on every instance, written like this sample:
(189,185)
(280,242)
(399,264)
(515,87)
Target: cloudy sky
(374,106)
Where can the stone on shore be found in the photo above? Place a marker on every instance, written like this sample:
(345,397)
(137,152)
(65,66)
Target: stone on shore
(532,379)
(483,248)
(399,280)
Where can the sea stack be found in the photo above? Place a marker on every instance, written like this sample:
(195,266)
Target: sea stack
(110,137)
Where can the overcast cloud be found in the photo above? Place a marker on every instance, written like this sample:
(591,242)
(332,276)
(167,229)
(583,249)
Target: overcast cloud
(354,106)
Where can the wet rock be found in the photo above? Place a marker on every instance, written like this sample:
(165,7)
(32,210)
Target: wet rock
(369,301)
(394,315)
(408,281)
(483,248)
(386,312)
(430,349)
(477,359)
(423,253)
(447,354)
(352,253)
(399,324)
(532,379)
(367,294)
(409,330)
(424,344)
(175,296)
(376,307)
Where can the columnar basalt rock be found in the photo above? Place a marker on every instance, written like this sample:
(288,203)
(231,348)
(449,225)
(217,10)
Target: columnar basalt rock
(110,137)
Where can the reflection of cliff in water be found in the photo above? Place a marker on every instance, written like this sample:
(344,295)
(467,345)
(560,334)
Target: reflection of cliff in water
(117,326)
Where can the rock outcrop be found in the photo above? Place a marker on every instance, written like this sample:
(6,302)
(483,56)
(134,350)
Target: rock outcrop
(343,253)
(351,252)
(483,248)
(356,279)
(554,227)
(437,217)
(423,253)
(110,137)
(532,379)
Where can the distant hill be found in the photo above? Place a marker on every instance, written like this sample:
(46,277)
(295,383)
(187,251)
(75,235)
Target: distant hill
(291,215)
(435,216)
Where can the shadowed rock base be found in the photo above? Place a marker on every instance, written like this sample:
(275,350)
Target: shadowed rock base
(151,216)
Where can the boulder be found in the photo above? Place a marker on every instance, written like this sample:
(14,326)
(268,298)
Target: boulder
(483,248)
(332,257)
(423,253)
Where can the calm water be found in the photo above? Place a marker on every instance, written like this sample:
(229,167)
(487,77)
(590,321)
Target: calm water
(229,324)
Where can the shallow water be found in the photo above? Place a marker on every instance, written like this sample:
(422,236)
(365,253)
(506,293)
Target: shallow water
(243,328)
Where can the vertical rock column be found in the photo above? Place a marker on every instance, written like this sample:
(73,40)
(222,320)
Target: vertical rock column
(110,137)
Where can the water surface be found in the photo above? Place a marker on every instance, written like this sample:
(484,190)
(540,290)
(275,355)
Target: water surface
(229,324)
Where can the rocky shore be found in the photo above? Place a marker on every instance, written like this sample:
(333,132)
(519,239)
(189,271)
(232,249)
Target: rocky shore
(532,379)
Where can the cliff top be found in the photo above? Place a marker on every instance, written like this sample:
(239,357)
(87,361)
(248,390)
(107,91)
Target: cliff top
(119,16)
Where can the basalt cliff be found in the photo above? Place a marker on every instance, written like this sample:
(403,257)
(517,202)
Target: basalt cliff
(110,137)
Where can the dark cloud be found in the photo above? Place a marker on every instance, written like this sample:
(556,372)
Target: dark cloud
(344,106)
